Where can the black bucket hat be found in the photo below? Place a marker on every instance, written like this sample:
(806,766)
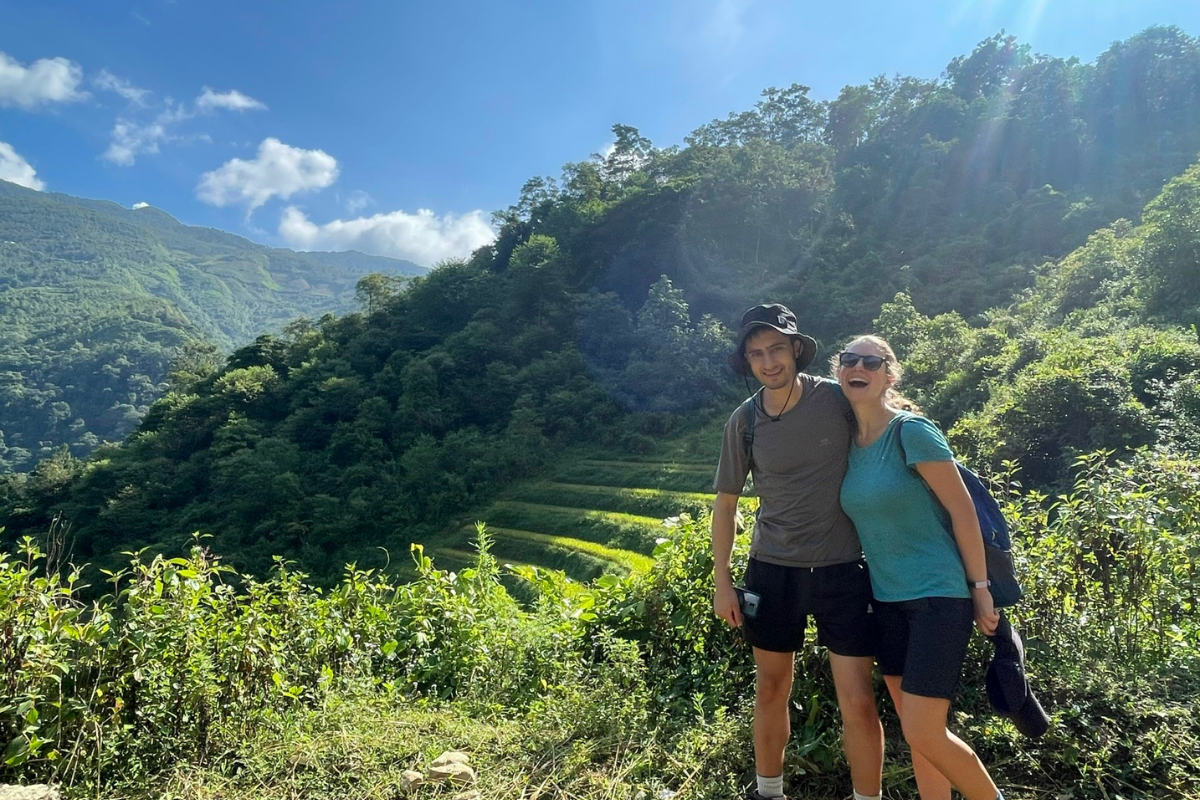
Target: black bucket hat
(1008,687)
(779,317)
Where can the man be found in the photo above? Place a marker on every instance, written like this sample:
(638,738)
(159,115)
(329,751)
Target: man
(804,557)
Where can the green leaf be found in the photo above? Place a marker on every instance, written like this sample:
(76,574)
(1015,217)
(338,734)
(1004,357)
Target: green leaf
(16,752)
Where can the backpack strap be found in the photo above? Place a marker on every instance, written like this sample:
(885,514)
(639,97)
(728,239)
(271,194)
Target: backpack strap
(847,411)
(991,518)
(749,417)
(900,441)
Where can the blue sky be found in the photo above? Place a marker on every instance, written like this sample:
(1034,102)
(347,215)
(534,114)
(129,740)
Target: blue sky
(397,127)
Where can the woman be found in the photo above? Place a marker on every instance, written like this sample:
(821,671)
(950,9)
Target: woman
(929,577)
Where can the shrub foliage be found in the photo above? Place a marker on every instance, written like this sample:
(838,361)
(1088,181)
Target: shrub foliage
(184,662)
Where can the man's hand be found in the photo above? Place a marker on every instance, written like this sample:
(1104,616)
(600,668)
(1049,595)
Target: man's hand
(725,604)
(986,615)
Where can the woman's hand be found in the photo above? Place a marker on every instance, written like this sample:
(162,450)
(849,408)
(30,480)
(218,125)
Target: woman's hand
(986,615)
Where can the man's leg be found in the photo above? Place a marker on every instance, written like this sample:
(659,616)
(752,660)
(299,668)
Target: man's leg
(862,733)
(930,783)
(772,688)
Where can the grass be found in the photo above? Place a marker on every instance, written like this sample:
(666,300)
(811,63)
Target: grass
(599,509)
(658,503)
(578,563)
(612,528)
(626,474)
(355,747)
(668,466)
(467,558)
(629,560)
(456,560)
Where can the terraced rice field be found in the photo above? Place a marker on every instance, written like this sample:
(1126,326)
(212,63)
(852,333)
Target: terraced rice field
(591,515)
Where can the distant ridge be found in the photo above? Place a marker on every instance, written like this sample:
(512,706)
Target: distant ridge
(151,216)
(96,299)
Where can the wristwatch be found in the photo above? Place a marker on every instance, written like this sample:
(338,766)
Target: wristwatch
(979,584)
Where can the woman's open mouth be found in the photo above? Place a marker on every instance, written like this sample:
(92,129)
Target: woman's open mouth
(857,383)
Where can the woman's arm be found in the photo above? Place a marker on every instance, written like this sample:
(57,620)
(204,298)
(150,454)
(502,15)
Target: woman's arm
(943,479)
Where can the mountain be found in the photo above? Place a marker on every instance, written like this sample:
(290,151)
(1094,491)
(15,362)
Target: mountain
(1023,232)
(97,299)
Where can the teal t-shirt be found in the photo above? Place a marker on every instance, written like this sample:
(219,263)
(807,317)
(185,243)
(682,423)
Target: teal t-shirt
(904,530)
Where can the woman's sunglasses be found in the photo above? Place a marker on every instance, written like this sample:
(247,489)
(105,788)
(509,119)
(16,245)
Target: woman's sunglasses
(871,363)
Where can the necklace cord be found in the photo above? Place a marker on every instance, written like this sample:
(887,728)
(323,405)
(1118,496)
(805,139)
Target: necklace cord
(763,405)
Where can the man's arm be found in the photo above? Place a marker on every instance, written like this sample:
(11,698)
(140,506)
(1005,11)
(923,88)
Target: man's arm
(724,516)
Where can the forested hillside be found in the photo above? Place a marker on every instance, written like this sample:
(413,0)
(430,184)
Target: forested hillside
(1026,232)
(1007,225)
(97,300)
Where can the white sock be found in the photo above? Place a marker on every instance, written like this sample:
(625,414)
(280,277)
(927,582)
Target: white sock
(858,796)
(770,787)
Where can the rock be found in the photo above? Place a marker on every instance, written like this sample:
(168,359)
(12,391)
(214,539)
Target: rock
(410,779)
(35,791)
(451,757)
(453,772)
(471,795)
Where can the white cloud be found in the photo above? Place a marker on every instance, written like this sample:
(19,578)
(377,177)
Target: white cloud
(108,82)
(357,200)
(233,100)
(48,80)
(279,170)
(137,206)
(131,139)
(15,169)
(422,237)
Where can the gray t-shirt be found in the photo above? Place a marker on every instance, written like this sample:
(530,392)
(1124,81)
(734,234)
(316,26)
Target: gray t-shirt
(799,463)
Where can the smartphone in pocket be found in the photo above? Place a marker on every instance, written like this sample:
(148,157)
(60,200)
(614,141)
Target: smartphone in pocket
(748,602)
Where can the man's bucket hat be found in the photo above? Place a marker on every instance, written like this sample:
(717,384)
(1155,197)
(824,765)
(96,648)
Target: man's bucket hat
(779,317)
(1008,687)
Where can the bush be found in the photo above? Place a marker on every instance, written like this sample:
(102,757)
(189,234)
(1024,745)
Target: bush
(1050,415)
(626,684)
(1163,361)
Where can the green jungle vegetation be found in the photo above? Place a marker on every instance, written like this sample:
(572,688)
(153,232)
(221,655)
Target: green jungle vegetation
(1026,232)
(97,301)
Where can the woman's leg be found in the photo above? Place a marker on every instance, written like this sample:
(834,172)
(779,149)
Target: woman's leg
(930,783)
(924,723)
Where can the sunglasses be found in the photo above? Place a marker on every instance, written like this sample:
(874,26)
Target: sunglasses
(871,363)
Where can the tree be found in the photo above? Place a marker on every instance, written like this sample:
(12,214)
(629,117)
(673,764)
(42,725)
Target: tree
(1171,252)
(195,361)
(373,291)
(629,153)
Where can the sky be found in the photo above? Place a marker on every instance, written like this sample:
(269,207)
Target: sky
(397,127)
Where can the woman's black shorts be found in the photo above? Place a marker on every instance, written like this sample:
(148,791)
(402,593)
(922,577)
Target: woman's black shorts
(925,640)
(837,596)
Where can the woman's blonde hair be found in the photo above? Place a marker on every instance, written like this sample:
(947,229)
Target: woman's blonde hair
(892,364)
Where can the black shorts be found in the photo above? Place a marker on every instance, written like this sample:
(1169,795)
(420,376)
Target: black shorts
(837,596)
(925,640)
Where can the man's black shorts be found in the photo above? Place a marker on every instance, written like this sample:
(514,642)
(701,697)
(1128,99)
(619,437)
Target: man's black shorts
(838,597)
(925,640)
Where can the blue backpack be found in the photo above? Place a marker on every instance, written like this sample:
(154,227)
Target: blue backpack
(997,544)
